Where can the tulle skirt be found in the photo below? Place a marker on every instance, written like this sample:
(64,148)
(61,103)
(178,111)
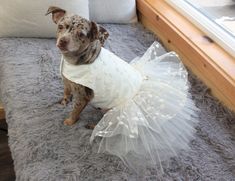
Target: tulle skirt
(158,121)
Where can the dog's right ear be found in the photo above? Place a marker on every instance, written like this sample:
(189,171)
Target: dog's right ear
(57,13)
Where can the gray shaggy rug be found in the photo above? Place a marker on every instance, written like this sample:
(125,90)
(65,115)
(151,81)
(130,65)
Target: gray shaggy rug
(43,149)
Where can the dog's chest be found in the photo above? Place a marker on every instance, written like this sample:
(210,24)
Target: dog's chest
(112,80)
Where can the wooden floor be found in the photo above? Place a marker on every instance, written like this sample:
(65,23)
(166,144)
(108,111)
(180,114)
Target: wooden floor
(6,163)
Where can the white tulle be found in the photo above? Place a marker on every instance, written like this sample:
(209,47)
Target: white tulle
(158,121)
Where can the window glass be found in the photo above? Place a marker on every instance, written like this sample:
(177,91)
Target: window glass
(221,12)
(216,18)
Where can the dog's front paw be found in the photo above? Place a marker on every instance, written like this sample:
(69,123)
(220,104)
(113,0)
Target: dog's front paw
(69,122)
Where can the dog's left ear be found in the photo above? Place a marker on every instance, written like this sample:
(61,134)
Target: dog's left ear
(57,13)
(94,32)
(103,34)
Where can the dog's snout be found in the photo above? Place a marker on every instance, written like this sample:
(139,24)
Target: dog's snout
(62,43)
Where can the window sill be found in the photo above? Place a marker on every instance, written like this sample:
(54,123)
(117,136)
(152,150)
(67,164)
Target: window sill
(211,63)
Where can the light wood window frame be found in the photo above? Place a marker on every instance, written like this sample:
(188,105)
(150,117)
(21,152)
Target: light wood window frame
(206,59)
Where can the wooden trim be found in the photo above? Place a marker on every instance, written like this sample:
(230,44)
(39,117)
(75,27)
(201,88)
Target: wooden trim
(211,63)
(2,112)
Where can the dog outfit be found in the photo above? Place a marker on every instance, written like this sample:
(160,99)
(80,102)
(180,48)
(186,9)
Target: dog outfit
(151,116)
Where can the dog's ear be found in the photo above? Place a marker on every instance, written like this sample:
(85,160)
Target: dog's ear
(103,34)
(57,13)
(94,32)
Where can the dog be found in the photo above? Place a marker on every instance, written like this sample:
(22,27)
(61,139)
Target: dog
(80,42)
(136,109)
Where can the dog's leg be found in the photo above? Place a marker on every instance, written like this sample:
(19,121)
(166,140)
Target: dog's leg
(82,96)
(77,109)
(92,125)
(67,93)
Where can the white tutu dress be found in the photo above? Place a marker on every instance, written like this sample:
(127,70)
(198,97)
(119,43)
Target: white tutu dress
(150,117)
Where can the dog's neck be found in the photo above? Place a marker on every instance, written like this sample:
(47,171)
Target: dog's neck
(87,56)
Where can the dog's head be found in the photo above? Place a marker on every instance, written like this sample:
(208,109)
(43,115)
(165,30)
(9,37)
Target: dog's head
(74,33)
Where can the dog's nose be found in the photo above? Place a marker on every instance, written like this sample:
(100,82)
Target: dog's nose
(62,43)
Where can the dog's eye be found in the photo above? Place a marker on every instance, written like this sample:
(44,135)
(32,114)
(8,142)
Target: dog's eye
(60,27)
(67,26)
(81,34)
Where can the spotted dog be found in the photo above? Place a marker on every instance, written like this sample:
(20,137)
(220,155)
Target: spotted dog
(80,42)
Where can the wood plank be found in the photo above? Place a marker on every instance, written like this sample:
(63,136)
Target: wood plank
(205,58)
(6,163)
(2,112)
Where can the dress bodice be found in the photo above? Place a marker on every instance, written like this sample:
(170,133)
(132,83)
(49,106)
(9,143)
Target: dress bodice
(112,79)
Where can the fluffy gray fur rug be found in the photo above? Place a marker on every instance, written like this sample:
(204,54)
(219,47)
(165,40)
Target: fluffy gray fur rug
(44,149)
